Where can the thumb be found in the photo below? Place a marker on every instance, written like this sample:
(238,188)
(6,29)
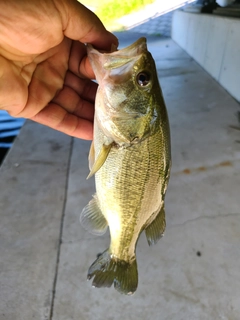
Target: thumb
(79,23)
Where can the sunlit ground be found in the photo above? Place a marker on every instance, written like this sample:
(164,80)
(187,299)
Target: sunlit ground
(158,8)
(114,19)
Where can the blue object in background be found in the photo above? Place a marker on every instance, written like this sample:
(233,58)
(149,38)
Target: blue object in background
(9,129)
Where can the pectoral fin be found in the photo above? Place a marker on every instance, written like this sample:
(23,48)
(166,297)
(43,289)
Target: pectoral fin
(92,218)
(100,159)
(91,156)
(155,229)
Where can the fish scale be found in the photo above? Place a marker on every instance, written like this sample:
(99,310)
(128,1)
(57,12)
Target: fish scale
(143,174)
(130,157)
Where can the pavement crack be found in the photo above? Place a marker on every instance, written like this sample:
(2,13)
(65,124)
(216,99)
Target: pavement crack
(181,296)
(205,217)
(61,232)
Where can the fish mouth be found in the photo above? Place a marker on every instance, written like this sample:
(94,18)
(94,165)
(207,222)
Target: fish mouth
(116,59)
(123,56)
(136,48)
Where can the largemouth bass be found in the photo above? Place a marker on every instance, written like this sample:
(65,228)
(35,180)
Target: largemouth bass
(130,157)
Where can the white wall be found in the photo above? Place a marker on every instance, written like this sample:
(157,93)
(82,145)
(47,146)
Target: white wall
(214,42)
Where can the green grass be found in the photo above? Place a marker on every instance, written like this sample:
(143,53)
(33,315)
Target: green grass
(110,10)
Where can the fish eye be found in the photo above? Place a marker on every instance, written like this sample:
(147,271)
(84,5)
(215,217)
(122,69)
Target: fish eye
(143,79)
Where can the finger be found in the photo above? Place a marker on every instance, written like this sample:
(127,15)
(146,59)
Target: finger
(79,23)
(78,61)
(69,100)
(84,87)
(59,119)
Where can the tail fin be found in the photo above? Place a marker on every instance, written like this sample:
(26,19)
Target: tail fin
(107,270)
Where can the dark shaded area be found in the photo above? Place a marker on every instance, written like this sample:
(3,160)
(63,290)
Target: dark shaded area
(6,143)
(9,129)
(3,153)
(199,254)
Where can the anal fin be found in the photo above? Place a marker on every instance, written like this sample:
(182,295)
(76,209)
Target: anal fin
(156,228)
(92,218)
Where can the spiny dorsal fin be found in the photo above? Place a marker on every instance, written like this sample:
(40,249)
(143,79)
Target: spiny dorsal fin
(100,159)
(156,228)
(92,218)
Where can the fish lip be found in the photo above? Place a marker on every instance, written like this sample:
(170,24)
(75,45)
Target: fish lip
(103,62)
(136,48)
(125,55)
(130,53)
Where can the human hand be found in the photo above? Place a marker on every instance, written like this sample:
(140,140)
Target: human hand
(44,69)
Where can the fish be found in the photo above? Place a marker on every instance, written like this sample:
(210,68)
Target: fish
(130,156)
